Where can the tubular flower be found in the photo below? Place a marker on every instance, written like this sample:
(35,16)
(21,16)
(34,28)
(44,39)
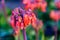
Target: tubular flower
(20,19)
(57,3)
(15,24)
(55,15)
(32,4)
(12,21)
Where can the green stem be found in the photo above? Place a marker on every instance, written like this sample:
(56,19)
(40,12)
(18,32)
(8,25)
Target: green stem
(37,34)
(56,30)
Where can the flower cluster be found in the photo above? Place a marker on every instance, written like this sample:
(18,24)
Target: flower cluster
(20,19)
(33,4)
(55,15)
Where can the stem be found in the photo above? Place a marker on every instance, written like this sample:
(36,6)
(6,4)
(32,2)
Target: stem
(4,8)
(19,36)
(43,35)
(37,34)
(24,34)
(56,30)
(55,36)
(16,37)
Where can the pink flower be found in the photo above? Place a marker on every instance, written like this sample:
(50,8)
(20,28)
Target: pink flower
(37,24)
(55,15)
(21,19)
(43,6)
(25,19)
(57,3)
(12,22)
(32,4)
(26,1)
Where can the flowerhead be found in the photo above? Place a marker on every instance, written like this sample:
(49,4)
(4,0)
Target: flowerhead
(21,19)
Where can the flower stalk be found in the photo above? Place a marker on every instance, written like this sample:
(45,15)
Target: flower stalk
(4,8)
(55,29)
(24,34)
(37,34)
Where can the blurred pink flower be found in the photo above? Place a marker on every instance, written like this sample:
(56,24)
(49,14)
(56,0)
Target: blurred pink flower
(55,15)
(37,24)
(57,3)
(32,4)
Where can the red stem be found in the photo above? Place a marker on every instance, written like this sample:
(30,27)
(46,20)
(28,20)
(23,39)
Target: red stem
(24,34)
(4,9)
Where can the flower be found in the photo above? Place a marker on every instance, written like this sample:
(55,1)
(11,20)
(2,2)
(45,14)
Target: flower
(25,19)
(15,24)
(15,11)
(37,24)
(26,1)
(12,22)
(43,6)
(57,3)
(32,4)
(20,19)
(55,15)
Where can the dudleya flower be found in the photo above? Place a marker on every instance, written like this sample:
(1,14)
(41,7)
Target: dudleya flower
(20,19)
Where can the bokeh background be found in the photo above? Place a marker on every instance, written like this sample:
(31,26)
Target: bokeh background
(6,31)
